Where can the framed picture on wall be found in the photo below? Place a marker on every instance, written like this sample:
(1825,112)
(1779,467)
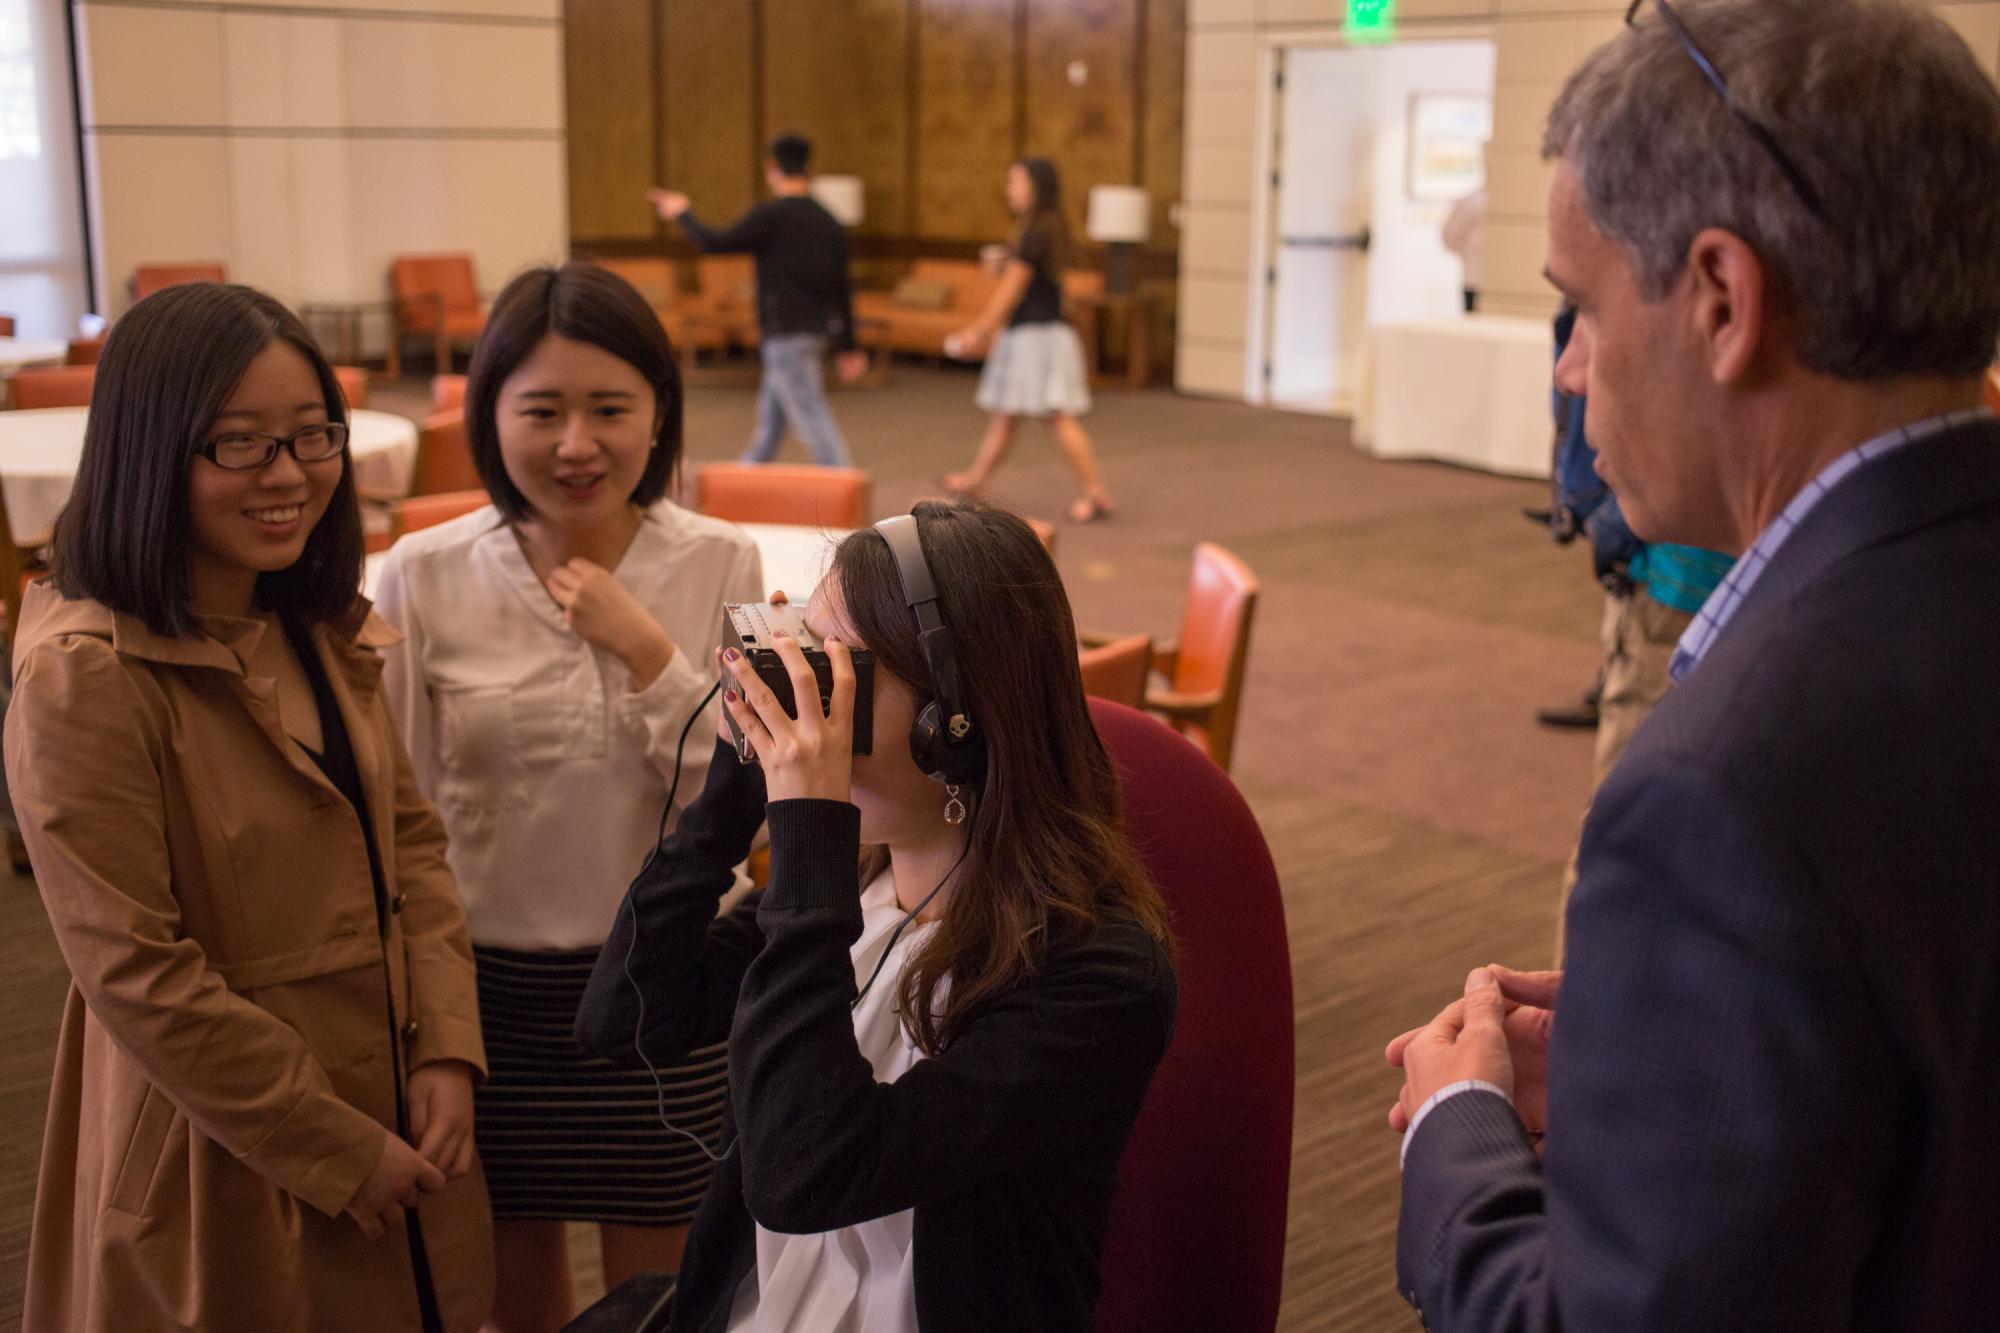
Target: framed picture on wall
(1448,134)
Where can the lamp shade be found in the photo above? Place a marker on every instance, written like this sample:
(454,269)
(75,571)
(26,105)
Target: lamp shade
(1119,213)
(841,196)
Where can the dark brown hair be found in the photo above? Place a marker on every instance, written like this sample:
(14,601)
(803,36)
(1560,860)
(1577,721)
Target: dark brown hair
(166,372)
(585,304)
(1044,216)
(1047,857)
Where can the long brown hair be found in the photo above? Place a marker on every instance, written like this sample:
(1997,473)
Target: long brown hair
(1046,854)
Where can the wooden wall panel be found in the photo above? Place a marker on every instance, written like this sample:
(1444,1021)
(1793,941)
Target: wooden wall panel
(967,110)
(608,60)
(837,71)
(1089,131)
(1163,110)
(707,101)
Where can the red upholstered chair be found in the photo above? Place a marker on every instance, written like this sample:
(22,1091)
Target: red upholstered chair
(803,493)
(1197,1232)
(436,297)
(84,351)
(62,386)
(150,278)
(6,326)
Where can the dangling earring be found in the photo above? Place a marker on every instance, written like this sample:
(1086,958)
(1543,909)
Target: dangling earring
(954,809)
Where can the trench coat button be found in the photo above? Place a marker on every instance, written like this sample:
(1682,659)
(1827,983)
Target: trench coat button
(396,903)
(410,1030)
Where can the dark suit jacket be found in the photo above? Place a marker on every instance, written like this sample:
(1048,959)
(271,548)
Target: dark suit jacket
(1775,1080)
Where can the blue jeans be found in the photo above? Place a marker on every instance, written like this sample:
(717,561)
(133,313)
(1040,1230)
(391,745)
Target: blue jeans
(793,394)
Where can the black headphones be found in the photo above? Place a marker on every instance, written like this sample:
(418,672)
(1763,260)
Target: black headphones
(944,740)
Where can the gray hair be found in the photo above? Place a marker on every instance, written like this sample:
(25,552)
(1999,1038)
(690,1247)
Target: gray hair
(1882,109)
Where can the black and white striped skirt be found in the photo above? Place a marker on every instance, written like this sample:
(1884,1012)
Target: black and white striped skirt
(565,1136)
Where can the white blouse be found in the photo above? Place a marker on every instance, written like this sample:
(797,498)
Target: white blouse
(860,1278)
(549,769)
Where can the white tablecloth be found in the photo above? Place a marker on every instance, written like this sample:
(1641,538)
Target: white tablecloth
(1473,391)
(39,451)
(795,558)
(16,353)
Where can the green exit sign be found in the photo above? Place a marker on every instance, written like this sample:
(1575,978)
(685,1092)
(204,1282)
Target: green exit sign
(1371,20)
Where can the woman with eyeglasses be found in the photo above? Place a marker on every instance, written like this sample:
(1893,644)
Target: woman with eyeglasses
(262,1106)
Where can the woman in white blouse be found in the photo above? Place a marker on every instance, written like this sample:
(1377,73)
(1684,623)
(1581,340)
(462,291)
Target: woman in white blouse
(558,642)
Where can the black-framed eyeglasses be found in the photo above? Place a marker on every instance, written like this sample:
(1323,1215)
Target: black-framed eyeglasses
(1756,127)
(243,451)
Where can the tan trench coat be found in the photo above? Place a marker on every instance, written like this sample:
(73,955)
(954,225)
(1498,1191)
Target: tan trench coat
(223,1076)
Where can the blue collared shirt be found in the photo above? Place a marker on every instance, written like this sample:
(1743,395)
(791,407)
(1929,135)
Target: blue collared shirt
(1723,603)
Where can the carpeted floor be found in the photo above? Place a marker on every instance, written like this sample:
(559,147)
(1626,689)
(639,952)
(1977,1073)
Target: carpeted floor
(1410,624)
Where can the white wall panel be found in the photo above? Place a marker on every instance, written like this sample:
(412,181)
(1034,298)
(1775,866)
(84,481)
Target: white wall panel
(151,66)
(452,76)
(1215,242)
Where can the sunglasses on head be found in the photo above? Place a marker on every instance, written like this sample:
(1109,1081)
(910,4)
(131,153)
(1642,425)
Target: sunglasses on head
(1791,172)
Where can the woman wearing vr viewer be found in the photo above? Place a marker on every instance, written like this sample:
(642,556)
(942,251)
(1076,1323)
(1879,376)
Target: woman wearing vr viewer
(935,1062)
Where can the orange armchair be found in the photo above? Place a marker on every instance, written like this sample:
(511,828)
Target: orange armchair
(1117,670)
(1993,388)
(820,497)
(64,386)
(427,511)
(444,458)
(1203,670)
(436,297)
(84,351)
(353,381)
(6,326)
(447,393)
(150,278)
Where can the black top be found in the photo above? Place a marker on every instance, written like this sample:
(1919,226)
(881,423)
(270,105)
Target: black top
(338,764)
(801,254)
(1042,302)
(1006,1144)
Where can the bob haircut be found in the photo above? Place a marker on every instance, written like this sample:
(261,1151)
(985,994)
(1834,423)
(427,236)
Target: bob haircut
(585,304)
(167,371)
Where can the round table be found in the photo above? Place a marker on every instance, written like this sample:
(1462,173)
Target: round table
(39,451)
(17,353)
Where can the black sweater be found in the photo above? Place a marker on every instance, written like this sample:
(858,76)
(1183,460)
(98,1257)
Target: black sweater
(801,253)
(1006,1144)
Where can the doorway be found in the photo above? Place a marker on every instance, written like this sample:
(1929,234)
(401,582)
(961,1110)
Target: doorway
(1374,147)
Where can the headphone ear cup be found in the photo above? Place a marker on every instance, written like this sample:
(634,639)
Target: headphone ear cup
(927,746)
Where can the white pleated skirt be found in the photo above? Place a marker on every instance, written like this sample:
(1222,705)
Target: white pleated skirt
(1035,370)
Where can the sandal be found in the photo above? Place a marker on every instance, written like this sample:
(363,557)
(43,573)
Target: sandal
(1089,509)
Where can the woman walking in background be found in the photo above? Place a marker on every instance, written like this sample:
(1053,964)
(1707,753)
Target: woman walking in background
(1035,368)
(558,642)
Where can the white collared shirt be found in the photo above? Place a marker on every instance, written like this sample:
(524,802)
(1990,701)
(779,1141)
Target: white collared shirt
(861,1277)
(549,769)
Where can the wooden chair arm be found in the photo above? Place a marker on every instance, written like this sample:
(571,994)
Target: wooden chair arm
(1166,657)
(1097,638)
(1183,707)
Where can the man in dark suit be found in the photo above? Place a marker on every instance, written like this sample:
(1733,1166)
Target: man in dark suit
(1766,1097)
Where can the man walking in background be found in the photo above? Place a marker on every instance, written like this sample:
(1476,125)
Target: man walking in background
(804,300)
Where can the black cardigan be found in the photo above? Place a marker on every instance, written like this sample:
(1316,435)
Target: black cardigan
(1006,1144)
